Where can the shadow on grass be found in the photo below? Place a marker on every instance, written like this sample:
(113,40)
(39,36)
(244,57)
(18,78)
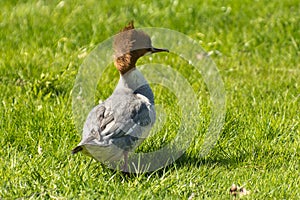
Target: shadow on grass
(185,161)
(209,161)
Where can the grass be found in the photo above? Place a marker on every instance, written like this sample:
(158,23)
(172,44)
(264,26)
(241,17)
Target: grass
(256,46)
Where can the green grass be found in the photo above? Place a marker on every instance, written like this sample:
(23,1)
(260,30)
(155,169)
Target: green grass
(256,46)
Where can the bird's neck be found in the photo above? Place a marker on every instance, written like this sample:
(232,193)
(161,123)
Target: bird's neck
(133,79)
(125,63)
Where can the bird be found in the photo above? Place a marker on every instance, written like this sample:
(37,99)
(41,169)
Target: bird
(119,124)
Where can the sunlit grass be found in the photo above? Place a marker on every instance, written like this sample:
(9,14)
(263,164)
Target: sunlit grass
(256,46)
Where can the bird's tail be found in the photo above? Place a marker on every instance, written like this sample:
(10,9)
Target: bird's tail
(77,149)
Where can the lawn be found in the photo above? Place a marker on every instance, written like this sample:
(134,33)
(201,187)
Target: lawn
(254,44)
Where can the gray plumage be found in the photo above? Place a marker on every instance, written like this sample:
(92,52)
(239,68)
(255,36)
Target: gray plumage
(119,124)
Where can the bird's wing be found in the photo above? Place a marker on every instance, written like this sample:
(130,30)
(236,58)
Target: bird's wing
(128,116)
(120,120)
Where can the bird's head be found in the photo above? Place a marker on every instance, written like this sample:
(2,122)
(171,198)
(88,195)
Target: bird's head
(129,45)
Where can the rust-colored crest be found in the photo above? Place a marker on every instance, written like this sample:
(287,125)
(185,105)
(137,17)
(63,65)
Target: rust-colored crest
(128,46)
(129,26)
(129,40)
